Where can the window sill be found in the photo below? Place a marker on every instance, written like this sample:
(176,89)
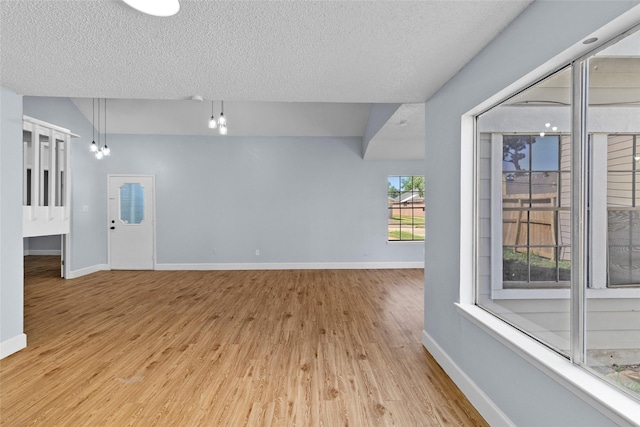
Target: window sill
(405,242)
(616,405)
(607,293)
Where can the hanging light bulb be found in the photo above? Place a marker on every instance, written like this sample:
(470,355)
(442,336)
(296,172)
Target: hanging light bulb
(223,130)
(99,154)
(93,147)
(106,151)
(222,121)
(212,120)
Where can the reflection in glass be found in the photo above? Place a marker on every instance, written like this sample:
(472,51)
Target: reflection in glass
(544,153)
(527,145)
(131,203)
(613,324)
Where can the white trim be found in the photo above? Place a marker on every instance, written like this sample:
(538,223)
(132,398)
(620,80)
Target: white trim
(606,293)
(467,196)
(496,212)
(49,125)
(74,274)
(487,408)
(42,252)
(614,404)
(405,242)
(12,345)
(292,266)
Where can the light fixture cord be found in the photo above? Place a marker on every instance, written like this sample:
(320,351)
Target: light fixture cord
(93,118)
(105,122)
(98,122)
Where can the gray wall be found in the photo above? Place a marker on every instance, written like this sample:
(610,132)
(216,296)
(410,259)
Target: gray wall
(524,394)
(379,114)
(218,199)
(11,267)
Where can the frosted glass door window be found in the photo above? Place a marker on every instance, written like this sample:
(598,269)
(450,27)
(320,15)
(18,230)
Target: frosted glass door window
(131,203)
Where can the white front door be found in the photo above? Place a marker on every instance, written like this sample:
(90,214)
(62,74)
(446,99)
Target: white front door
(131,222)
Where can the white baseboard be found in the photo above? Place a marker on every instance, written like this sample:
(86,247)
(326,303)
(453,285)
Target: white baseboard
(292,266)
(12,345)
(51,252)
(489,410)
(74,274)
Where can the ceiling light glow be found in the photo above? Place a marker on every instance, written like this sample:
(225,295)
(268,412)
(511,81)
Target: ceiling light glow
(162,8)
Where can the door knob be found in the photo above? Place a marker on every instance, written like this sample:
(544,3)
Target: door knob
(113,228)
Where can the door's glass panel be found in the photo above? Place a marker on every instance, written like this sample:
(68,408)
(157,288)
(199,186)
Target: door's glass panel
(131,203)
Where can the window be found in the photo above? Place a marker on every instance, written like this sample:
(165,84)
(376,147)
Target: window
(535,209)
(540,165)
(623,210)
(405,208)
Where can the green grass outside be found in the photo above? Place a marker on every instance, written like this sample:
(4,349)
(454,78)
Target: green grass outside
(416,221)
(404,235)
(535,260)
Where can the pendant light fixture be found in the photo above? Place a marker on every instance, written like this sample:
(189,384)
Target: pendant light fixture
(105,150)
(99,153)
(212,120)
(93,147)
(222,121)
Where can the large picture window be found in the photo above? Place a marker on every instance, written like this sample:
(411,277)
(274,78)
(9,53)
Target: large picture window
(558,212)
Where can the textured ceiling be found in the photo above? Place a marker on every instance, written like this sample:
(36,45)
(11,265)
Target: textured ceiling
(273,52)
(287,51)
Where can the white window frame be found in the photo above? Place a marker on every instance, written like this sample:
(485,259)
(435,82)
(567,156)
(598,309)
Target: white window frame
(402,242)
(613,403)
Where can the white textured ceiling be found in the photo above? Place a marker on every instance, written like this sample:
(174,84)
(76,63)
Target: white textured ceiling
(245,51)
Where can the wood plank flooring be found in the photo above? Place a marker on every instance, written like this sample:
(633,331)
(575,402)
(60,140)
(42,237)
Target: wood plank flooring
(226,348)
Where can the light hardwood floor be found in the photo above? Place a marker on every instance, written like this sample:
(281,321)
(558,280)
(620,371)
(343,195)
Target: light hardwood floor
(285,348)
